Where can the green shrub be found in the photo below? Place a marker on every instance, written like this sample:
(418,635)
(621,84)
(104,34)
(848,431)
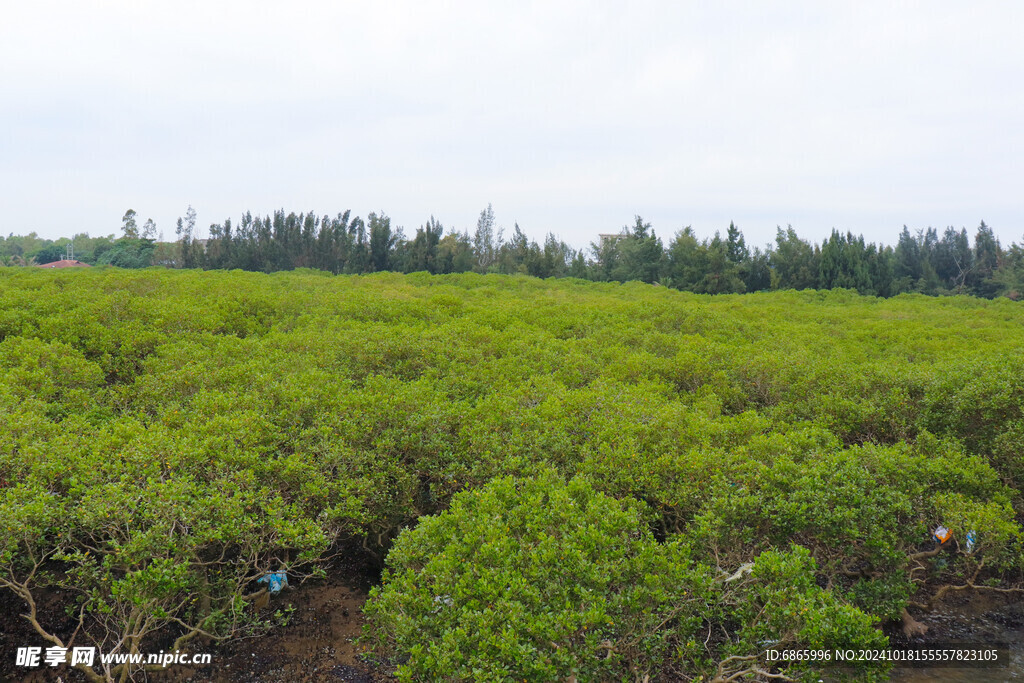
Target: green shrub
(539,580)
(533,579)
(156,421)
(863,513)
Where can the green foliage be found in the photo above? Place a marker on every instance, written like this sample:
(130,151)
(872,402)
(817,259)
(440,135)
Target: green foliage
(168,436)
(537,579)
(781,604)
(21,250)
(921,263)
(531,579)
(862,512)
(49,254)
(129,252)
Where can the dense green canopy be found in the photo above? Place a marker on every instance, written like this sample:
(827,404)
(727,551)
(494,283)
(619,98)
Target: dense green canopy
(166,437)
(922,262)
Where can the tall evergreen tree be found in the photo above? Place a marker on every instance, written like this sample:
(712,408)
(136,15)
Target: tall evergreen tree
(642,254)
(736,247)
(513,254)
(755,271)
(907,266)
(794,262)
(954,259)
(359,260)
(382,241)
(485,248)
(844,263)
(1009,276)
(722,274)
(987,253)
(687,260)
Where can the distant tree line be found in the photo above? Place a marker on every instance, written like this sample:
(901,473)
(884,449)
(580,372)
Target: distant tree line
(924,261)
(349,244)
(137,248)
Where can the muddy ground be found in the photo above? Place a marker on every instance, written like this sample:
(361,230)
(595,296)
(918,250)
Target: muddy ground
(976,616)
(316,644)
(315,641)
(979,618)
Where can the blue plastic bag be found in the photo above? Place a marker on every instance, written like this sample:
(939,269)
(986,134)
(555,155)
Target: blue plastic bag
(275,581)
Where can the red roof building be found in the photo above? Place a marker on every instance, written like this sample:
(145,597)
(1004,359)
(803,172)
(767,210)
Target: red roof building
(66,263)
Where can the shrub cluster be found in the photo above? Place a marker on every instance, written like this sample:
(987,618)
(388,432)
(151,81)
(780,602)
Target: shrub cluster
(167,437)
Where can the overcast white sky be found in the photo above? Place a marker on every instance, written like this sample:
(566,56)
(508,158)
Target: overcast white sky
(569,117)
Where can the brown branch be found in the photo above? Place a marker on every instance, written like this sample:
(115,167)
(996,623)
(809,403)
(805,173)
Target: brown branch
(970,585)
(22,590)
(720,676)
(927,553)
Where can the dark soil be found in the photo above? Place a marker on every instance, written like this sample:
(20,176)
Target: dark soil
(311,643)
(975,616)
(317,644)
(314,641)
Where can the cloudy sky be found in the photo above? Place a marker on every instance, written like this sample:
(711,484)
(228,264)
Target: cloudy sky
(568,117)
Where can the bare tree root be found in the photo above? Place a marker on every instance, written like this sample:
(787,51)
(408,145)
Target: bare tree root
(728,670)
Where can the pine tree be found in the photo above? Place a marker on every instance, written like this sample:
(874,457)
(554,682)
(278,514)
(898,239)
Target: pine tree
(737,247)
(987,254)
(484,247)
(794,262)
(382,241)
